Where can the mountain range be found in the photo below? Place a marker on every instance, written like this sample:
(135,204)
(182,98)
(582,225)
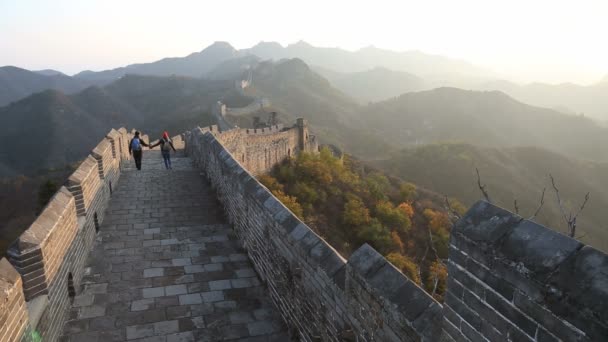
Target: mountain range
(591,100)
(373,85)
(51,129)
(489,118)
(196,65)
(368,74)
(17,83)
(367,58)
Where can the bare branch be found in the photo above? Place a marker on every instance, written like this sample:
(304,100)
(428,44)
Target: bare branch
(482,187)
(432,244)
(559,201)
(453,214)
(435,283)
(516,207)
(582,205)
(540,206)
(570,219)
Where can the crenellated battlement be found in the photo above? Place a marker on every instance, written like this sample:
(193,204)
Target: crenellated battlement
(262,148)
(48,258)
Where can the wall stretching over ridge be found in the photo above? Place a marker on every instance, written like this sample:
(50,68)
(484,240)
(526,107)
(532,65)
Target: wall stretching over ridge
(320,295)
(47,261)
(258,150)
(509,279)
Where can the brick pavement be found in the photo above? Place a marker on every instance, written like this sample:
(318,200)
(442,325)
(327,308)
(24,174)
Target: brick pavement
(167,267)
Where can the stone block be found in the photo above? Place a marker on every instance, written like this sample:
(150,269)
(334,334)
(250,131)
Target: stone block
(578,292)
(485,222)
(536,250)
(189,299)
(366,260)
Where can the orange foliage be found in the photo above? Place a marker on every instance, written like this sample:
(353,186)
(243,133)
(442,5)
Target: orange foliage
(397,240)
(407,209)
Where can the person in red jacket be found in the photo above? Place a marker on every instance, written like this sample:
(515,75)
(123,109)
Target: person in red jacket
(166,145)
(135,148)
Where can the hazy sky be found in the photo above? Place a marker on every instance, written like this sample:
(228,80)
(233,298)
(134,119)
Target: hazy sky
(528,40)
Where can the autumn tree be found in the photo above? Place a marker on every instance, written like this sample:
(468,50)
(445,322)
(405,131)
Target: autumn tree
(407,209)
(392,217)
(406,265)
(436,280)
(407,191)
(355,213)
(376,235)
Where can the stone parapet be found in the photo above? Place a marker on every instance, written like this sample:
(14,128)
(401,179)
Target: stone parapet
(13,310)
(104,154)
(48,258)
(258,150)
(39,251)
(84,184)
(510,278)
(321,295)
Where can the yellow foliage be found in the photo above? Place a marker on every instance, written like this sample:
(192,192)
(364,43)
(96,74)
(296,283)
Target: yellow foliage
(406,265)
(440,223)
(290,202)
(437,273)
(392,217)
(457,206)
(355,212)
(408,191)
(397,240)
(270,182)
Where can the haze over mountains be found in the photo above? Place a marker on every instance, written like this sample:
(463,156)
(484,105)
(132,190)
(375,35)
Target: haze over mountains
(52,119)
(332,103)
(589,100)
(368,74)
(485,119)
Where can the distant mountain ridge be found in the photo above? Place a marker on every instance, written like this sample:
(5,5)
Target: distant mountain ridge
(591,100)
(367,58)
(17,83)
(489,118)
(51,129)
(196,65)
(199,63)
(49,72)
(374,84)
(384,73)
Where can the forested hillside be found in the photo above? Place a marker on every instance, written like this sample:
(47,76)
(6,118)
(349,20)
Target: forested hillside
(349,204)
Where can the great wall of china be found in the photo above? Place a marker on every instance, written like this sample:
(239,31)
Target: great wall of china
(509,279)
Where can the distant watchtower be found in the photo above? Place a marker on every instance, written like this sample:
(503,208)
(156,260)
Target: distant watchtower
(302,133)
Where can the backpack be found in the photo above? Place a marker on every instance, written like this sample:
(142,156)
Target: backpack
(135,145)
(166,145)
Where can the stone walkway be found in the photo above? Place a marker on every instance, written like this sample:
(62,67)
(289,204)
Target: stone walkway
(167,267)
